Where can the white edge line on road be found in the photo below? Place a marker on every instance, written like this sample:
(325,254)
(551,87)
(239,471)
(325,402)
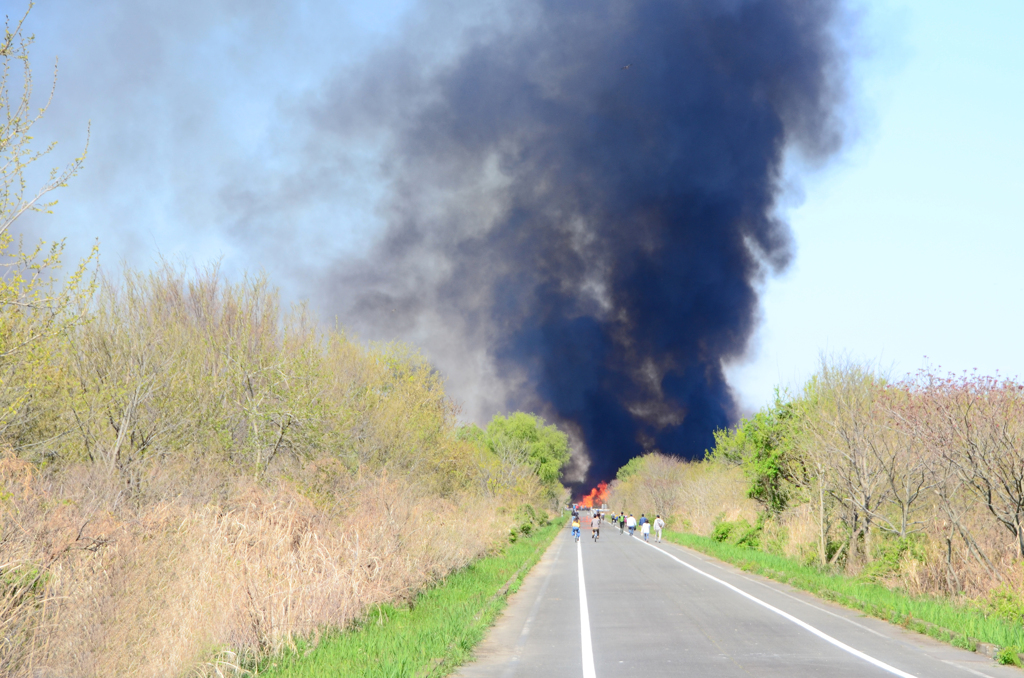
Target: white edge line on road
(802,624)
(814,607)
(977,673)
(587,644)
(708,561)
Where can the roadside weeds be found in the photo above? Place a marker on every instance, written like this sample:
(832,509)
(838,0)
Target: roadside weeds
(431,636)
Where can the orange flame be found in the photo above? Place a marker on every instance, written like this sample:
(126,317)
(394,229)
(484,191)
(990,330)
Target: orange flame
(597,496)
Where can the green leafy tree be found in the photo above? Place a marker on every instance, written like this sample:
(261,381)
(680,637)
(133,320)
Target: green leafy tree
(631,468)
(546,447)
(765,447)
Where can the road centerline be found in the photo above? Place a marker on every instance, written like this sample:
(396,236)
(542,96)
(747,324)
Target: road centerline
(586,644)
(799,622)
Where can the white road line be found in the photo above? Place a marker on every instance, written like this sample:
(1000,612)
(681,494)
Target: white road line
(821,634)
(708,561)
(977,673)
(588,646)
(828,612)
(810,605)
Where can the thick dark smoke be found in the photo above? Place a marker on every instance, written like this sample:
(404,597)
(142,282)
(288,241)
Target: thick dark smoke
(586,194)
(569,204)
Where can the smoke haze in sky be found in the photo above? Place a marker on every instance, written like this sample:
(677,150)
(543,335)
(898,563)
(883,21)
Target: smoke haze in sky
(569,205)
(583,198)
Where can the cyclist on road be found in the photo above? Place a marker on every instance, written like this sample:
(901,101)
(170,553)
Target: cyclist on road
(576,527)
(595,527)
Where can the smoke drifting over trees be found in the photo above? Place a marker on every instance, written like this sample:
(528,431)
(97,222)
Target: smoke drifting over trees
(584,195)
(568,204)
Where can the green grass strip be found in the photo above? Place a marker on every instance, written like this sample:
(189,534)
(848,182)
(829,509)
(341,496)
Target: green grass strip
(431,637)
(965,624)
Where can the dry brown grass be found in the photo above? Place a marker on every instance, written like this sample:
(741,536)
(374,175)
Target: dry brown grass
(200,477)
(690,496)
(923,571)
(699,494)
(712,492)
(173,584)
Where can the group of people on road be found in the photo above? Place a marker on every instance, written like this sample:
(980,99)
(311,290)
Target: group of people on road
(625,522)
(595,525)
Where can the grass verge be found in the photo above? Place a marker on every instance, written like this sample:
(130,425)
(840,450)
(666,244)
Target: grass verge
(433,635)
(942,619)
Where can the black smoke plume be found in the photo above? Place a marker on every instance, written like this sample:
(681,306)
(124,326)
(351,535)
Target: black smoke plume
(587,191)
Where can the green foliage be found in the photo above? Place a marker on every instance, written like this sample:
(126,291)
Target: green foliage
(890,552)
(178,367)
(19,582)
(526,520)
(774,537)
(36,308)
(518,450)
(964,643)
(1009,656)
(764,446)
(37,311)
(739,533)
(721,531)
(519,453)
(1004,602)
(547,447)
(472,433)
(632,468)
(431,636)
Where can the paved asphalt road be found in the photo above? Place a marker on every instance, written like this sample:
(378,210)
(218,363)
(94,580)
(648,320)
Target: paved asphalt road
(623,608)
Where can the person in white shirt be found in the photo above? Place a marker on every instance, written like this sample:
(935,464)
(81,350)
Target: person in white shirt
(645,530)
(631,524)
(659,525)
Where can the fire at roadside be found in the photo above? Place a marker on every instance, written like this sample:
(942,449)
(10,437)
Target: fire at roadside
(598,497)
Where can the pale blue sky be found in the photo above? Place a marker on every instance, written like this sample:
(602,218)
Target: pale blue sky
(908,243)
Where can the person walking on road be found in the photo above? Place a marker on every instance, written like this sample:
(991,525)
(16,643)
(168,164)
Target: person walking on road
(576,528)
(645,529)
(631,524)
(659,525)
(622,522)
(595,527)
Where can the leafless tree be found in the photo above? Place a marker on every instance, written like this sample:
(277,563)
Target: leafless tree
(846,435)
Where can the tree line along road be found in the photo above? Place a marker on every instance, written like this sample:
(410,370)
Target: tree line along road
(625,608)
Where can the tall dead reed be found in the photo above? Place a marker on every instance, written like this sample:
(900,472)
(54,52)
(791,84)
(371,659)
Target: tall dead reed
(201,477)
